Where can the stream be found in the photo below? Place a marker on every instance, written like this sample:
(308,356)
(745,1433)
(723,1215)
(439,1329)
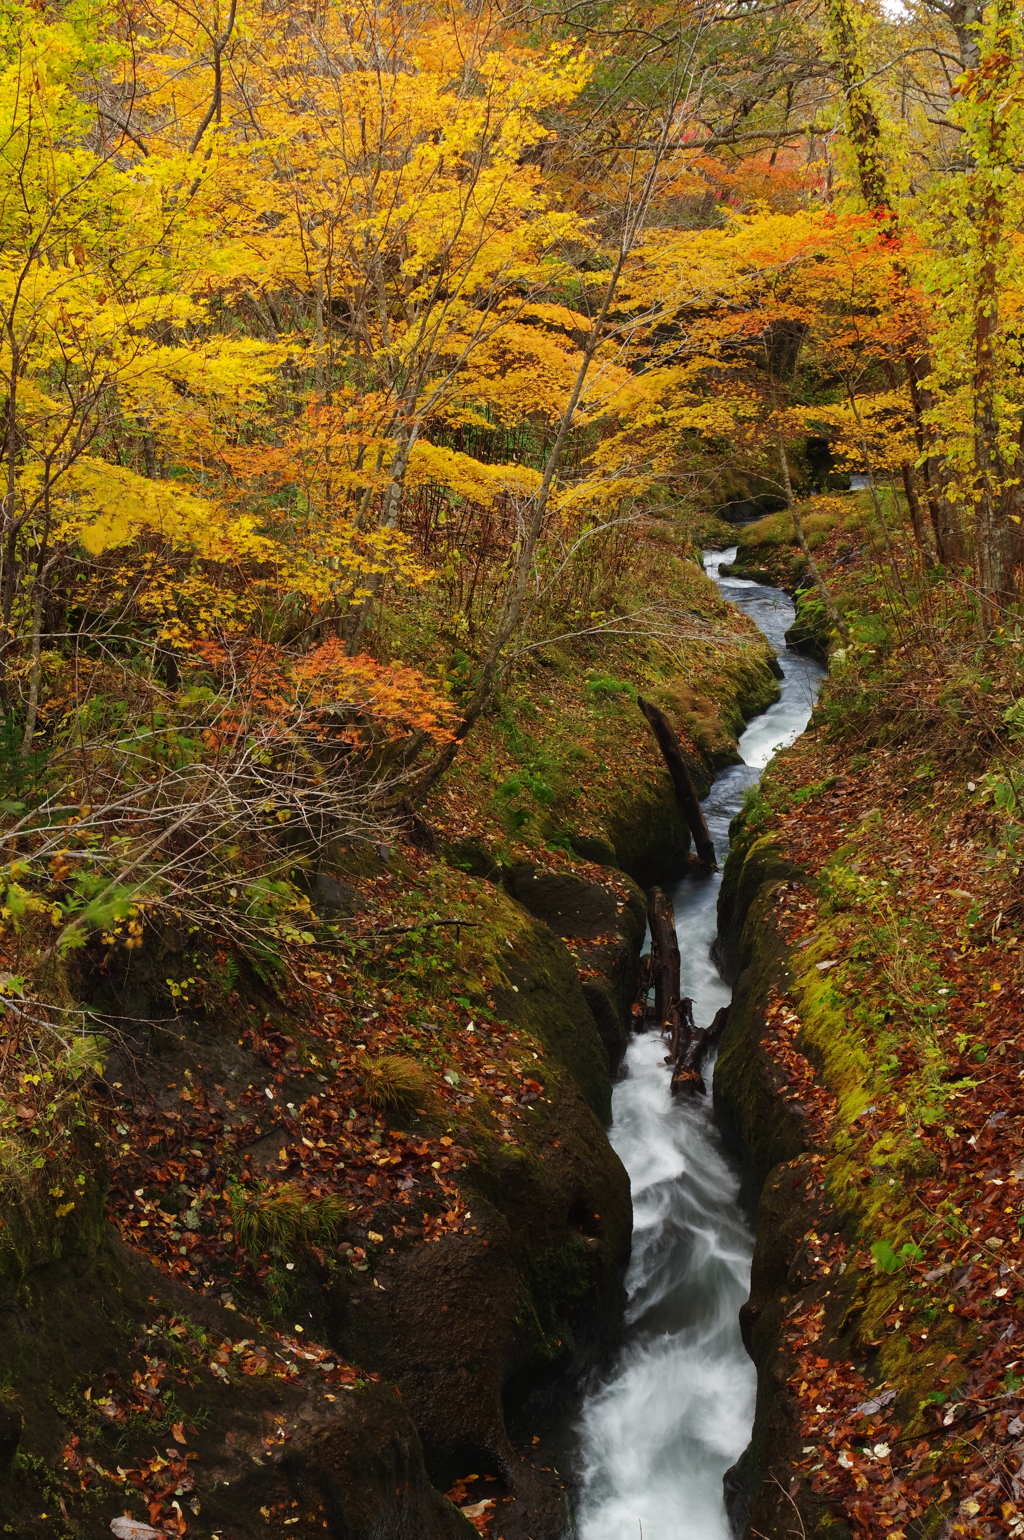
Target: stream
(657,1434)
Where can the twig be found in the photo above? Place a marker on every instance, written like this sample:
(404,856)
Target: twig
(403,930)
(796,1510)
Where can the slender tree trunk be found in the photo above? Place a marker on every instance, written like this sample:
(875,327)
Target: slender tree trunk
(865,132)
(922,534)
(390,511)
(812,566)
(862,118)
(995,97)
(988,534)
(8,521)
(34,670)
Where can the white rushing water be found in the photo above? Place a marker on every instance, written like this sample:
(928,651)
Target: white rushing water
(658,1434)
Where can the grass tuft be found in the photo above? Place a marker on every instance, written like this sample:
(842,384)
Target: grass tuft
(283,1219)
(392,1082)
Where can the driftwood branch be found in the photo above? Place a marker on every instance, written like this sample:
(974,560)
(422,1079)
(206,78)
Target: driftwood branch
(640,1010)
(678,1027)
(686,792)
(665,963)
(690,1055)
(660,970)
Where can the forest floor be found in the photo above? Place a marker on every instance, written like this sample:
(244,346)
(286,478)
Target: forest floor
(902,1041)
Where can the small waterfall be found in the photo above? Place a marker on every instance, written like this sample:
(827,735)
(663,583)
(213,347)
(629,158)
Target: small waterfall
(656,1436)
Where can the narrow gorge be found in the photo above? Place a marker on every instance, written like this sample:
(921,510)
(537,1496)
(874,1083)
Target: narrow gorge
(658,1434)
(482,484)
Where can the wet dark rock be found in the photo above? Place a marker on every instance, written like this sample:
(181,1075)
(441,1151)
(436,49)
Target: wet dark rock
(592,848)
(73,1301)
(575,908)
(473,856)
(10,1435)
(358,1461)
(329,896)
(746,509)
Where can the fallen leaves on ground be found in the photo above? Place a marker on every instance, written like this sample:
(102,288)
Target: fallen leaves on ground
(925,971)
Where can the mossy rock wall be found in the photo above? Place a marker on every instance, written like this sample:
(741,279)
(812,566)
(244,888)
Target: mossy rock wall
(80,1312)
(541,991)
(648,832)
(611,928)
(769,1133)
(757,1488)
(755,677)
(473,1329)
(755,1119)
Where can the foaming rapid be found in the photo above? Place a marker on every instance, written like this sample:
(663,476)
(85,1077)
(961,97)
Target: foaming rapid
(657,1435)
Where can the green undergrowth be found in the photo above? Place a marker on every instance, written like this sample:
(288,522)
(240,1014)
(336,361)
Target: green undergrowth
(566,762)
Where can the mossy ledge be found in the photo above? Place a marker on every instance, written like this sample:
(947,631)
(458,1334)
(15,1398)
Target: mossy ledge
(792,1079)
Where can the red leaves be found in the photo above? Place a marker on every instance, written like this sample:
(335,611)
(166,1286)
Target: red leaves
(940,1037)
(469,1496)
(320,687)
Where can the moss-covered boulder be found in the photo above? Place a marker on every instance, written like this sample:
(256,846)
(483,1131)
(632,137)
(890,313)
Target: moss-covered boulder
(603,924)
(811,631)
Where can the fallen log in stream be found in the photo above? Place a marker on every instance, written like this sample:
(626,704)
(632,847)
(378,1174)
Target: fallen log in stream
(688,1062)
(689,1045)
(678,1027)
(664,961)
(682,782)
